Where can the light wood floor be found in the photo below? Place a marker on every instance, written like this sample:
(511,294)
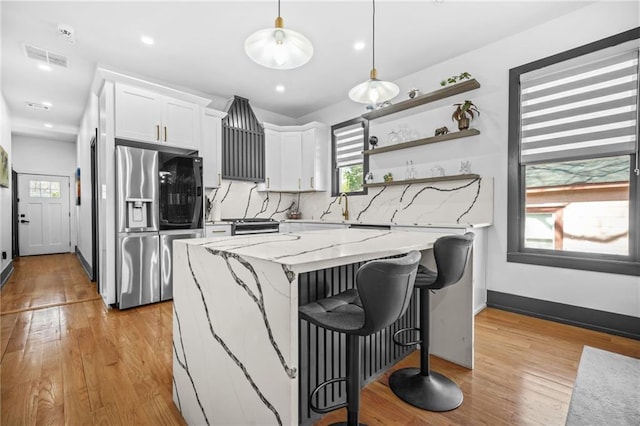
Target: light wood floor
(68,360)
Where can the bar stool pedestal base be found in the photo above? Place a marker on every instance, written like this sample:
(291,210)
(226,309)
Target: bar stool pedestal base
(434,392)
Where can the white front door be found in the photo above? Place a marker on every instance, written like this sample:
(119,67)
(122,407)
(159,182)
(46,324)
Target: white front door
(43,214)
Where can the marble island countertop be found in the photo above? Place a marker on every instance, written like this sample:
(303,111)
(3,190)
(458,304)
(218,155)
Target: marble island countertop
(309,250)
(356,222)
(423,224)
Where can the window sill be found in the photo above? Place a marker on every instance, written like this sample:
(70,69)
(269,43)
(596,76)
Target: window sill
(610,266)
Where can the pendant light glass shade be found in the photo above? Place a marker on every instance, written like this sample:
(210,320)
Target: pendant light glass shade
(373,91)
(279,48)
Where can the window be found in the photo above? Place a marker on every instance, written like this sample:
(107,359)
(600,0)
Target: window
(44,189)
(349,165)
(574,193)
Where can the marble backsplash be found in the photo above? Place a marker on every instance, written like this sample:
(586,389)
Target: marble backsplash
(448,202)
(237,199)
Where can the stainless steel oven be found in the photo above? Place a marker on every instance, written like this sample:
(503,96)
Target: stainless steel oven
(246,226)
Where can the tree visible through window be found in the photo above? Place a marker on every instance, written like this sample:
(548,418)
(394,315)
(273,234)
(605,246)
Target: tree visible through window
(351,178)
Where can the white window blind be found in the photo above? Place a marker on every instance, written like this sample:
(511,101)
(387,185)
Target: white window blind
(349,145)
(582,111)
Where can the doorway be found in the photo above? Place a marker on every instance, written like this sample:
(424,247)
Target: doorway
(14,215)
(94,207)
(43,214)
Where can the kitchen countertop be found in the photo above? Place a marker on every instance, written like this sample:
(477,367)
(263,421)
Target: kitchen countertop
(310,250)
(354,222)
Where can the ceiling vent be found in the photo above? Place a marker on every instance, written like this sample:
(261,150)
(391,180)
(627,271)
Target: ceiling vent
(37,106)
(40,54)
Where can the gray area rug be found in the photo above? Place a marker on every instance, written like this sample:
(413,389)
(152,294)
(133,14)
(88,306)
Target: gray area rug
(606,391)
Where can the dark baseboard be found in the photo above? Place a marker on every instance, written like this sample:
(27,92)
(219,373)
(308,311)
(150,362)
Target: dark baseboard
(85,265)
(6,273)
(593,319)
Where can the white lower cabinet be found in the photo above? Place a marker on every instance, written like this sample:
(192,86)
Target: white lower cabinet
(286,227)
(217,230)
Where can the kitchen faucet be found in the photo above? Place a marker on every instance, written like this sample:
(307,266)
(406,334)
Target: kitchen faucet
(345,212)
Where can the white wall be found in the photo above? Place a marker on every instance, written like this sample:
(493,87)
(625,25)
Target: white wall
(5,193)
(48,157)
(83,155)
(488,152)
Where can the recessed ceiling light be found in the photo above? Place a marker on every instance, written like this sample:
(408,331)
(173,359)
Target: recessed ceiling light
(358,45)
(147,40)
(45,106)
(280,88)
(44,67)
(48,125)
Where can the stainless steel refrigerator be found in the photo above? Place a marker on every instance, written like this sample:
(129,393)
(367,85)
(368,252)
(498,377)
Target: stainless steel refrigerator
(159,200)
(138,253)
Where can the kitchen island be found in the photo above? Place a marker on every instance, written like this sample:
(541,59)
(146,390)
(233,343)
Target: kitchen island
(240,356)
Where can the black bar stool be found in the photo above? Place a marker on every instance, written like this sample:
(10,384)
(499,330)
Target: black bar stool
(382,295)
(422,387)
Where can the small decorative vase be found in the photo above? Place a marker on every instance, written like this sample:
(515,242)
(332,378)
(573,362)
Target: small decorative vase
(463,123)
(393,138)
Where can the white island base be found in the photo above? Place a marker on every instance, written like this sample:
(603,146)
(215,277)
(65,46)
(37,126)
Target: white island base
(236,338)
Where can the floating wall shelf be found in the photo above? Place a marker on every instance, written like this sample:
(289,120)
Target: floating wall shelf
(436,95)
(424,141)
(423,180)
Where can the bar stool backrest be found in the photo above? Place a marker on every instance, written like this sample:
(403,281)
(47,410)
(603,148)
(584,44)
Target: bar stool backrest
(385,288)
(451,254)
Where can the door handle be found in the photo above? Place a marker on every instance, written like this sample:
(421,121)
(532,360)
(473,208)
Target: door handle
(165,133)
(157,132)
(24,221)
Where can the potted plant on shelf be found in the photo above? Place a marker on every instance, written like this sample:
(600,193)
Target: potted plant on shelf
(464,113)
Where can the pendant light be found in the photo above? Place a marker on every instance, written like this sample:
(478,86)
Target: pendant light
(374,91)
(279,48)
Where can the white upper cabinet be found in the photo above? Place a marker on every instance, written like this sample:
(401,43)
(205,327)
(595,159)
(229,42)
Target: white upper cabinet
(146,116)
(211,151)
(138,114)
(291,161)
(181,123)
(297,156)
(315,148)
(272,159)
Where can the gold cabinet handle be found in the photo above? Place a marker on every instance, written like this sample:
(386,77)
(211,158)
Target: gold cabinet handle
(157,132)
(299,183)
(165,133)
(311,181)
(219,179)
(268,183)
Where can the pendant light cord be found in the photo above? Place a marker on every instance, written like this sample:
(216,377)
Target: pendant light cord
(373,44)
(278,8)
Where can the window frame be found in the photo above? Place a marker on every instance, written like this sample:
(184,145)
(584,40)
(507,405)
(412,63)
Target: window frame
(335,172)
(516,188)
